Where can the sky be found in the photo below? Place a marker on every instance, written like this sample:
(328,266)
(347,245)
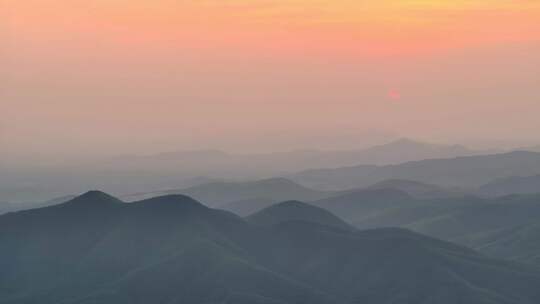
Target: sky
(104,77)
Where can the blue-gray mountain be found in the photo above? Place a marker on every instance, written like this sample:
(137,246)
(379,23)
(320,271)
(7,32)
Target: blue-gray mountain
(131,174)
(462,172)
(503,227)
(511,185)
(297,211)
(172,249)
(218,194)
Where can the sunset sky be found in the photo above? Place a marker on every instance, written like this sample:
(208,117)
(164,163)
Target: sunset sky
(140,76)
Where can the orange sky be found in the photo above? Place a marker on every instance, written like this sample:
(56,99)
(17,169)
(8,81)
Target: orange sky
(163,74)
(373,27)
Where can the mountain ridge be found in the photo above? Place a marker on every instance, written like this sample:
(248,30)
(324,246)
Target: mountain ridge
(154,250)
(296,211)
(511,185)
(461,172)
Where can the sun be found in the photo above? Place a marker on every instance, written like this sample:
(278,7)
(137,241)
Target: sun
(394,94)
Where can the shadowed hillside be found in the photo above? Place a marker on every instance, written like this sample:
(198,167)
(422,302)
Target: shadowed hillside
(172,249)
(504,227)
(297,211)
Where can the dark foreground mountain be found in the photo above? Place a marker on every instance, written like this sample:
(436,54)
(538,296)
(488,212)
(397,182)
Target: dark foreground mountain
(297,211)
(172,249)
(466,172)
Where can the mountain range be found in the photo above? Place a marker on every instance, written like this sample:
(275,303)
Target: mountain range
(511,185)
(394,152)
(297,211)
(245,198)
(227,193)
(460,172)
(6,207)
(173,249)
(178,170)
(503,227)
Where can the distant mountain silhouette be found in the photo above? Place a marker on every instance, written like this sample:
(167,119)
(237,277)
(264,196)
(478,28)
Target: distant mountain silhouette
(520,243)
(274,190)
(480,223)
(224,193)
(532,148)
(172,249)
(466,172)
(248,206)
(357,205)
(404,150)
(417,189)
(376,193)
(512,185)
(6,207)
(183,169)
(297,211)
(394,152)
(93,199)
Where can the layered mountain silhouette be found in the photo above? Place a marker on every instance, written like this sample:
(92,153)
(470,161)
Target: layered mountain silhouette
(183,169)
(225,193)
(245,198)
(248,206)
(512,185)
(405,149)
(480,223)
(297,211)
(385,194)
(417,189)
(173,249)
(356,206)
(394,152)
(461,172)
(6,207)
(517,243)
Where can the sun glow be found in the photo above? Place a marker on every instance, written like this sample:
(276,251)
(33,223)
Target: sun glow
(225,70)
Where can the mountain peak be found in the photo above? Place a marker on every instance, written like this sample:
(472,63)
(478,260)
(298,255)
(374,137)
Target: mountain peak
(94,197)
(173,201)
(292,204)
(405,141)
(297,211)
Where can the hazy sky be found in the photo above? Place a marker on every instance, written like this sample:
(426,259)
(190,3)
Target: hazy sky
(139,76)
